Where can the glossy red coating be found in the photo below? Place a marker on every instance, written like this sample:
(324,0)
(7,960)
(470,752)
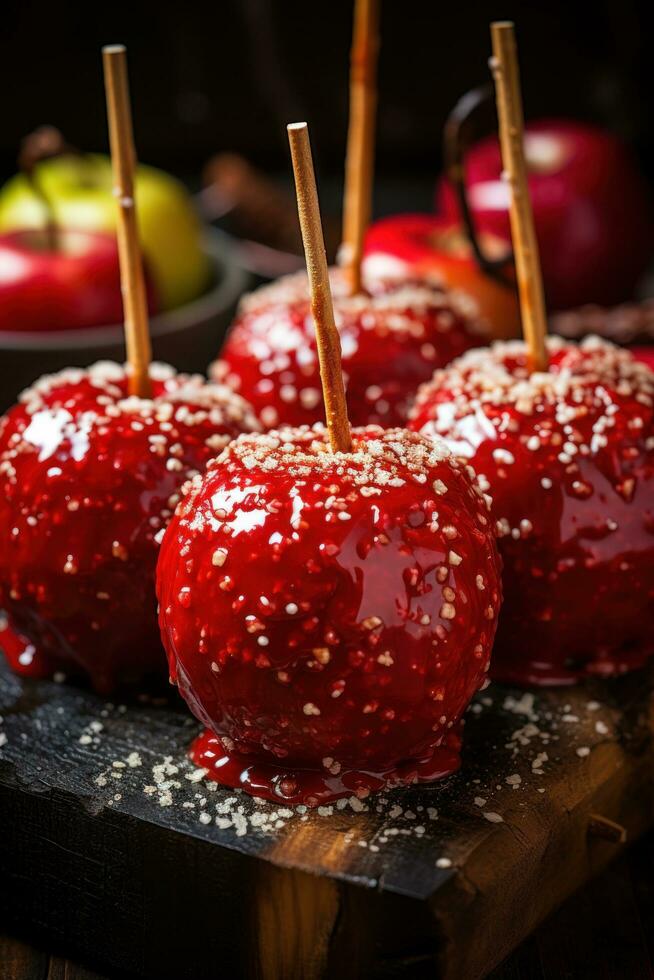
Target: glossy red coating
(21,655)
(88,480)
(644,354)
(391,342)
(568,458)
(329,616)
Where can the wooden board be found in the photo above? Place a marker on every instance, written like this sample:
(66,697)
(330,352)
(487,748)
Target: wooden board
(110,849)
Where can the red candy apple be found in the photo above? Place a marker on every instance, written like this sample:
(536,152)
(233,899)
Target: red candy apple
(591,209)
(88,480)
(644,354)
(568,458)
(328,616)
(426,247)
(391,342)
(68,286)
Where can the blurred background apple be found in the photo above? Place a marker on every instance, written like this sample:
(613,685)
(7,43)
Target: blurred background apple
(423,246)
(78,190)
(68,283)
(592,209)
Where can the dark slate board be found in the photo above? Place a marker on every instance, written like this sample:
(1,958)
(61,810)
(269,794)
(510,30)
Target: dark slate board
(109,850)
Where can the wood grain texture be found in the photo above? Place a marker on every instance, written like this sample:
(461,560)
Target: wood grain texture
(604,931)
(20,961)
(112,850)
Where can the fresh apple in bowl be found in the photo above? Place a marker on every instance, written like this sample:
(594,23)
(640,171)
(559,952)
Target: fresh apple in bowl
(187,336)
(78,191)
(424,246)
(69,282)
(591,206)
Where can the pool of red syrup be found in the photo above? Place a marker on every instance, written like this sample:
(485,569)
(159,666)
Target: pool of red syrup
(22,656)
(316,787)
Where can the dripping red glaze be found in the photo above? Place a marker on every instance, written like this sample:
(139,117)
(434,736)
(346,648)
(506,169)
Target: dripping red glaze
(329,616)
(21,655)
(568,458)
(295,785)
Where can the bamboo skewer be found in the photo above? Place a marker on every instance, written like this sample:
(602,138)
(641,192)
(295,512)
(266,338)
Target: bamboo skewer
(329,344)
(123,159)
(504,65)
(359,161)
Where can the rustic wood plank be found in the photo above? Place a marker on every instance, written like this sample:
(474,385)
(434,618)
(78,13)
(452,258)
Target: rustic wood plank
(564,946)
(523,964)
(20,961)
(620,914)
(106,831)
(61,968)
(604,920)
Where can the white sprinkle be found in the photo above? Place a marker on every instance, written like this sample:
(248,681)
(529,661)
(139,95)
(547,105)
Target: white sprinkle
(219,557)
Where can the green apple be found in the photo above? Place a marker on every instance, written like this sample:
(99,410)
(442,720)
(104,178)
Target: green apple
(80,191)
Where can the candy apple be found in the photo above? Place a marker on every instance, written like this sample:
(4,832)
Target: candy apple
(88,480)
(78,191)
(644,354)
(567,456)
(592,210)
(391,342)
(333,613)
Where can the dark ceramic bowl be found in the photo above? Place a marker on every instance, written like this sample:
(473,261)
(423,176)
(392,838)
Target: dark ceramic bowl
(188,337)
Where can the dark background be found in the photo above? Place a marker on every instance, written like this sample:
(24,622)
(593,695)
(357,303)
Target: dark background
(230,74)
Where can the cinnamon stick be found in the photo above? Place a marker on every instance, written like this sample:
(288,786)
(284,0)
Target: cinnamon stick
(359,161)
(123,159)
(329,344)
(504,65)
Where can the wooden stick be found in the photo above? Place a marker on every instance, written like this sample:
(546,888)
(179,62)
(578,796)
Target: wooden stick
(329,343)
(123,159)
(504,65)
(359,160)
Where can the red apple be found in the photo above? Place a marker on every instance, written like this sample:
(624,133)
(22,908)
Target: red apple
(76,284)
(422,246)
(591,209)
(644,354)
